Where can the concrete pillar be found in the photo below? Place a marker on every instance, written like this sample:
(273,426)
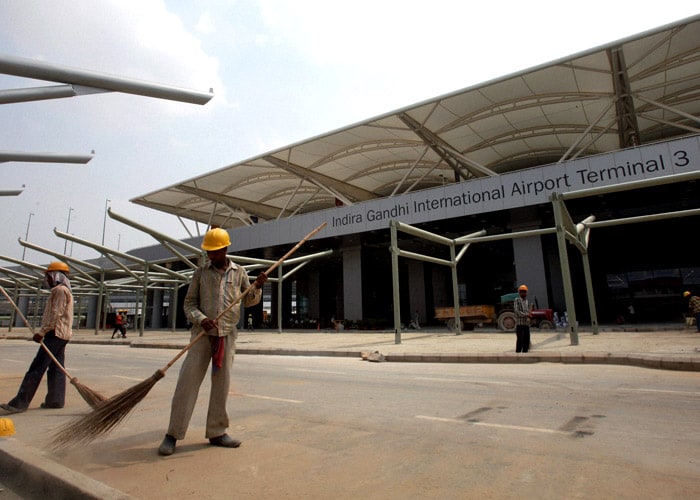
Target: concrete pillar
(556,283)
(91,312)
(23,305)
(416,290)
(314,294)
(157,309)
(529,269)
(352,282)
(442,288)
(529,256)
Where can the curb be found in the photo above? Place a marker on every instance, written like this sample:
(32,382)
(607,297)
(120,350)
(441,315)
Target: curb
(602,358)
(34,475)
(642,360)
(655,361)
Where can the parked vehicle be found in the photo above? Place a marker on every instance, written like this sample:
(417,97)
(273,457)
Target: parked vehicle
(502,316)
(470,316)
(541,318)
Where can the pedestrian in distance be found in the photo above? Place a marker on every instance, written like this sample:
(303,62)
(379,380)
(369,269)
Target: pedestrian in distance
(521,308)
(125,323)
(215,285)
(693,307)
(55,333)
(414,322)
(250,322)
(119,325)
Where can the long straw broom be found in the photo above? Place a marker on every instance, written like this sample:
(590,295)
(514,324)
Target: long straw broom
(110,413)
(94,399)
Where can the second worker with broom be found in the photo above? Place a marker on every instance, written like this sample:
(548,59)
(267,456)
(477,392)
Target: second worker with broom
(215,286)
(56,331)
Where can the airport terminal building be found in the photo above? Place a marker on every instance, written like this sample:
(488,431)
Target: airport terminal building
(604,144)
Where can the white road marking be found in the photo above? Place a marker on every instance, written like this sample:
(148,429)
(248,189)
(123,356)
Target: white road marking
(476,382)
(295,401)
(497,426)
(127,378)
(13,360)
(664,391)
(308,370)
(436,379)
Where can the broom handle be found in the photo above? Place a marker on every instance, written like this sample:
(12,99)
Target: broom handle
(243,295)
(58,364)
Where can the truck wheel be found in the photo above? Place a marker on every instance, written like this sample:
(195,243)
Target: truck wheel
(506,321)
(545,324)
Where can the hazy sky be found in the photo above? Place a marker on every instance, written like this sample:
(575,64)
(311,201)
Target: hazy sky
(281,71)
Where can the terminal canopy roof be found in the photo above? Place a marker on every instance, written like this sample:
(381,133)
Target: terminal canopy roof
(634,91)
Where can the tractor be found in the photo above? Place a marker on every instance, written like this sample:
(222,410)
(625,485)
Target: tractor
(541,318)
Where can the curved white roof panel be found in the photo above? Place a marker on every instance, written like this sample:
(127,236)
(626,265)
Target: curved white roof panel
(634,91)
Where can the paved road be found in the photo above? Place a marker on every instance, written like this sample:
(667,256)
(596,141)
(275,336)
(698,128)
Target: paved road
(320,427)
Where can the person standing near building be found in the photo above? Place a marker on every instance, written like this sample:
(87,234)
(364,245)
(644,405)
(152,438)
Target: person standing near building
(118,325)
(55,332)
(521,308)
(414,322)
(125,323)
(250,322)
(215,285)
(693,307)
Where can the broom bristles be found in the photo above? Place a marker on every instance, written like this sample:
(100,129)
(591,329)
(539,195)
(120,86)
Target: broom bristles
(91,397)
(105,416)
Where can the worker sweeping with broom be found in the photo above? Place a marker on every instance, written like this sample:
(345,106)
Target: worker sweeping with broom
(55,332)
(214,286)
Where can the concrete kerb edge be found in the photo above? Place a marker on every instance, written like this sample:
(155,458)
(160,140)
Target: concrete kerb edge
(640,360)
(26,465)
(644,361)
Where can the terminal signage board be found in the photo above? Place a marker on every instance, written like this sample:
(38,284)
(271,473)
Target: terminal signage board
(487,194)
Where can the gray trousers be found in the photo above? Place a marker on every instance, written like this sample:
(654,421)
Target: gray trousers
(194,367)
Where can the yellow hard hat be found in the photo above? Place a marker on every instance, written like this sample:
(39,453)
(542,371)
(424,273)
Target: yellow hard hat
(522,287)
(215,239)
(686,293)
(7,427)
(58,266)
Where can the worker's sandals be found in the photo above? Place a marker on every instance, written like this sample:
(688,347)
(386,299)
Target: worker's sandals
(167,447)
(6,409)
(50,406)
(225,440)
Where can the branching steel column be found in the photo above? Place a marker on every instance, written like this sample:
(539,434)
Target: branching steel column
(458,162)
(40,70)
(144,306)
(394,249)
(455,290)
(627,127)
(560,223)
(101,317)
(280,282)
(583,232)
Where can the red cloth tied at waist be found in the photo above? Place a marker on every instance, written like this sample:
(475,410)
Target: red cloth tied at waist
(218,345)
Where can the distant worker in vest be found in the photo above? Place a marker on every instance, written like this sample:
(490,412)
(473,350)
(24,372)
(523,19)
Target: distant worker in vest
(250,322)
(693,307)
(215,285)
(521,308)
(55,332)
(415,322)
(119,326)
